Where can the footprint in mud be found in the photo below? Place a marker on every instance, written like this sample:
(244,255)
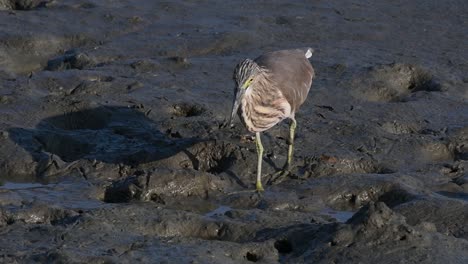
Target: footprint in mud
(350,192)
(330,165)
(147,65)
(399,128)
(393,83)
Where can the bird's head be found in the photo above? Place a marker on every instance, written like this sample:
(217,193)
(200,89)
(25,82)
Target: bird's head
(244,75)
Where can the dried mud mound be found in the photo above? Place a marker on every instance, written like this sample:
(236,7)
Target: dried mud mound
(374,233)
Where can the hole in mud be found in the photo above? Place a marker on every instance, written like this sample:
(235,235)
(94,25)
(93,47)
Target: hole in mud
(83,119)
(10,221)
(395,197)
(422,81)
(173,134)
(64,221)
(123,191)
(24,5)
(213,158)
(461,152)
(66,147)
(154,197)
(180,61)
(187,110)
(220,165)
(252,257)
(283,246)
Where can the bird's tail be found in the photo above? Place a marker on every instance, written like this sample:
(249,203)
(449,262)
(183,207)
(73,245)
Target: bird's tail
(309,52)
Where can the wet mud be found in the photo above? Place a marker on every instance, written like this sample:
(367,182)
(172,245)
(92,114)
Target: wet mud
(115,146)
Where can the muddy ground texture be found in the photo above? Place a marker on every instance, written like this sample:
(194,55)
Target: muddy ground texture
(115,149)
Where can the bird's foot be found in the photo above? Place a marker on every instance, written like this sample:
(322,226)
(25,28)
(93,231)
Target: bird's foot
(243,191)
(258,190)
(279,176)
(259,187)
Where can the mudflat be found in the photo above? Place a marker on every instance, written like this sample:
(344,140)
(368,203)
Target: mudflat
(115,146)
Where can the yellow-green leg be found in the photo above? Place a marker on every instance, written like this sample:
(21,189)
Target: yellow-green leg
(285,171)
(258,141)
(292,131)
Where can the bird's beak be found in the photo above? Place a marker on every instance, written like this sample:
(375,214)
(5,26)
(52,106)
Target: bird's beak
(236,103)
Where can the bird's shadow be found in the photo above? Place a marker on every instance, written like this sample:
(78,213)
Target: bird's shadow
(111,134)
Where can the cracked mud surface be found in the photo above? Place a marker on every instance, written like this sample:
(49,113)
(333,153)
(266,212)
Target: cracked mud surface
(115,147)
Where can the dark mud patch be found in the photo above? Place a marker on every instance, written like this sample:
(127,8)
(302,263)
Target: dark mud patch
(380,228)
(23,5)
(214,157)
(87,119)
(126,134)
(461,152)
(64,146)
(180,61)
(449,215)
(72,59)
(146,65)
(459,143)
(284,246)
(187,110)
(393,83)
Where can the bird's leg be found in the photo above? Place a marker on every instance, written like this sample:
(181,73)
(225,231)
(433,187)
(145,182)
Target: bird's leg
(292,131)
(259,165)
(278,176)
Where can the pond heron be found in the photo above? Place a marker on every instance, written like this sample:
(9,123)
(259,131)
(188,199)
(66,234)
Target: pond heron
(270,89)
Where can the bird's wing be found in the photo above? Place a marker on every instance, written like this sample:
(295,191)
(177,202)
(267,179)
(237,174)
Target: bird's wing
(291,72)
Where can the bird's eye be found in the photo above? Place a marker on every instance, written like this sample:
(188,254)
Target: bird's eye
(248,82)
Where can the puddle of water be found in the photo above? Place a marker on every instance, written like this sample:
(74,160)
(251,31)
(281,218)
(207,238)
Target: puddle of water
(454,195)
(340,216)
(19,186)
(218,211)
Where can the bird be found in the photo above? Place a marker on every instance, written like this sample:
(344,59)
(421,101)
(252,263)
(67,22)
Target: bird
(268,90)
